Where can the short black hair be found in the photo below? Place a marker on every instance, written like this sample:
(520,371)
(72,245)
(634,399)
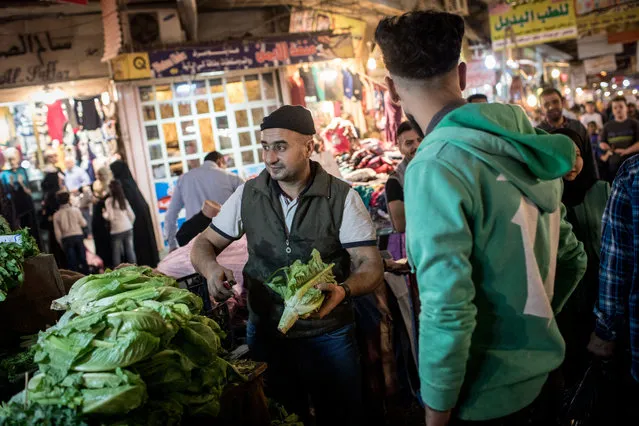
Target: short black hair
(551,91)
(420,45)
(62,197)
(475,97)
(404,127)
(619,99)
(213,156)
(590,103)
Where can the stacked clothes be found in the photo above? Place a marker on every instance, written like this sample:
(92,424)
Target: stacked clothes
(365,164)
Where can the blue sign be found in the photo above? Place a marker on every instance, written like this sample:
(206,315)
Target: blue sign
(238,54)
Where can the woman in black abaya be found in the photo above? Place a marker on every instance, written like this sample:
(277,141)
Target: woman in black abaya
(100,226)
(144,240)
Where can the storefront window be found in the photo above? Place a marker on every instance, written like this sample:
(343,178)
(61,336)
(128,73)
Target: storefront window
(253,88)
(146,94)
(216,86)
(219,104)
(245,139)
(258,116)
(222,122)
(164,93)
(149,113)
(166,111)
(184,121)
(202,106)
(152,133)
(184,109)
(241,118)
(235,90)
(155,152)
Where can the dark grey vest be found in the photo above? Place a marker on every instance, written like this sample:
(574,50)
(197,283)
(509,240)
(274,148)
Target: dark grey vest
(315,226)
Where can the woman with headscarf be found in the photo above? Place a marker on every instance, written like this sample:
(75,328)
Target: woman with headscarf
(585,199)
(143,233)
(100,227)
(52,182)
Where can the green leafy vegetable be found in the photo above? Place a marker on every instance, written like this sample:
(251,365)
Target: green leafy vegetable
(129,336)
(296,285)
(15,414)
(12,256)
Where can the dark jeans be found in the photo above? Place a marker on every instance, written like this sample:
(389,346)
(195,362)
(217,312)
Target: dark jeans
(122,247)
(75,252)
(323,369)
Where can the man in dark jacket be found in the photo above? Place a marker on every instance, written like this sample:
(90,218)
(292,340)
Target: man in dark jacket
(291,208)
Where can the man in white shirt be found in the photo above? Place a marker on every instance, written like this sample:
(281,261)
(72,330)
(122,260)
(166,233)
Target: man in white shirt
(208,182)
(591,115)
(292,208)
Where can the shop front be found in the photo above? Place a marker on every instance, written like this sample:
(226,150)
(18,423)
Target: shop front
(55,96)
(206,99)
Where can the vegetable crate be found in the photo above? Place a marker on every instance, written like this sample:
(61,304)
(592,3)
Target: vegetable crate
(219,312)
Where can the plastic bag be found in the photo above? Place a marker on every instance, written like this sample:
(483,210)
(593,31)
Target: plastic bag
(593,400)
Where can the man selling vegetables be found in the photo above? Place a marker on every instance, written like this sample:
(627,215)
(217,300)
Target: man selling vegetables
(290,209)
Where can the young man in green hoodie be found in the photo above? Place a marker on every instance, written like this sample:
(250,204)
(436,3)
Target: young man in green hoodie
(486,235)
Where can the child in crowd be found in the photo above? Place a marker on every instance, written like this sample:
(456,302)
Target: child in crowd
(121,217)
(68,224)
(601,156)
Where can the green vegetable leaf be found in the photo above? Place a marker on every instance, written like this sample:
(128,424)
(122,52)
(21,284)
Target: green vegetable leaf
(301,298)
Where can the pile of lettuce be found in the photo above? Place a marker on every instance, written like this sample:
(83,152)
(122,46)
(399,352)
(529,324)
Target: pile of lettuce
(12,256)
(130,343)
(296,285)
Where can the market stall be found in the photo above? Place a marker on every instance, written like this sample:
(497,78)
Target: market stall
(128,345)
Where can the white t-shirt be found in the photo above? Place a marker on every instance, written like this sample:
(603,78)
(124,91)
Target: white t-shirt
(357,229)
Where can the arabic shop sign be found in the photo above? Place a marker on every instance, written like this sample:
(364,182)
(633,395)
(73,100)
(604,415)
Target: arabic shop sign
(46,57)
(238,55)
(532,23)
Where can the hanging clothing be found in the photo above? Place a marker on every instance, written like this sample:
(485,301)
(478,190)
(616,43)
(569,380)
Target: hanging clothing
(310,88)
(87,113)
(298,91)
(56,121)
(354,108)
(7,126)
(146,249)
(348,83)
(333,88)
(357,87)
(319,84)
(393,114)
(71,117)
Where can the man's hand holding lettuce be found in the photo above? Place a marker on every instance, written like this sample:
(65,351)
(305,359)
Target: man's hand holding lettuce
(301,286)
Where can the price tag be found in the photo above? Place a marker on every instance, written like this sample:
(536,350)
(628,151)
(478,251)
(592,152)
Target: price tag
(4,239)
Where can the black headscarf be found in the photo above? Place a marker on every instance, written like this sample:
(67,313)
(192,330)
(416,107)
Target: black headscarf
(144,241)
(575,191)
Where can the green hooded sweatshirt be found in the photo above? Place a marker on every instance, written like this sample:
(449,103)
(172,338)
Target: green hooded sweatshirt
(495,259)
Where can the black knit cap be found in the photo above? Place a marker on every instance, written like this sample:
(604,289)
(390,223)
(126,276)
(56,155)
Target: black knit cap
(295,118)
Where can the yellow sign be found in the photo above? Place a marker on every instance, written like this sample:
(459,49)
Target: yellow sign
(131,66)
(613,20)
(532,23)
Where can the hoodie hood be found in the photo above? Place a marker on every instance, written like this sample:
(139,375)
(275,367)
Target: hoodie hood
(503,137)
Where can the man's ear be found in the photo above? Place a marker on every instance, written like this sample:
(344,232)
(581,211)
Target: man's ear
(392,89)
(462,68)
